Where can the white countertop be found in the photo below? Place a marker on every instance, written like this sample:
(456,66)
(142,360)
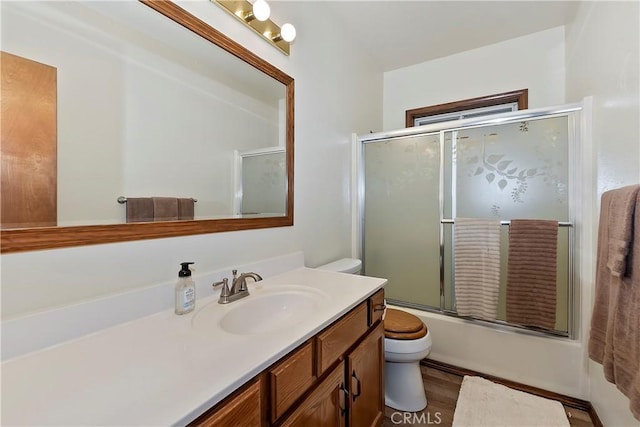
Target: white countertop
(160,370)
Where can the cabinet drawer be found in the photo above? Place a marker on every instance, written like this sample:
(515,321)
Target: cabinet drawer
(244,409)
(376,306)
(334,342)
(290,379)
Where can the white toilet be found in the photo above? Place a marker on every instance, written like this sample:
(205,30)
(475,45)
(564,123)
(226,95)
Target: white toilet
(407,341)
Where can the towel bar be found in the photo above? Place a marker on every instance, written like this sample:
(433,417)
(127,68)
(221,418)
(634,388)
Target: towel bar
(122,200)
(560,223)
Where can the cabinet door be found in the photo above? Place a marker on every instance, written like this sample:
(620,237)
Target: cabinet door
(245,409)
(325,406)
(365,375)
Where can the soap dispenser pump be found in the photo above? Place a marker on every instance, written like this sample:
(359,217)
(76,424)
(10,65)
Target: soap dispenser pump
(185,290)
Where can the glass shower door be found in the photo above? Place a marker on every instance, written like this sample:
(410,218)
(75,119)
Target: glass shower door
(402,218)
(511,171)
(415,183)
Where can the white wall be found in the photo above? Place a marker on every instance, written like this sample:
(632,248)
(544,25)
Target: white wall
(602,60)
(534,61)
(337,92)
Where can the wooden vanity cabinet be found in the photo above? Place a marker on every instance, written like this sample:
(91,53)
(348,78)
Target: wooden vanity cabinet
(335,379)
(356,397)
(243,408)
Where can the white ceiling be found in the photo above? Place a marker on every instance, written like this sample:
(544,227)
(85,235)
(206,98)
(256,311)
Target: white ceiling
(403,33)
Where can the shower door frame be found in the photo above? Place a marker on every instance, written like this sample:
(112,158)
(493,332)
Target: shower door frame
(574,117)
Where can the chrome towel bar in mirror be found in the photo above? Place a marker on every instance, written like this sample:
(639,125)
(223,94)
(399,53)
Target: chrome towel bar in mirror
(122,200)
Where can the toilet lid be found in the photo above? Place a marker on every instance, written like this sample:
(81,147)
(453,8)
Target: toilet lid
(407,335)
(401,321)
(400,325)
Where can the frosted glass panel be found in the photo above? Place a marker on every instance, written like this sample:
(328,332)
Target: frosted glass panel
(402,221)
(264,184)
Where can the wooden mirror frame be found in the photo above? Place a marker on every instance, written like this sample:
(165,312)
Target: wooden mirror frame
(28,239)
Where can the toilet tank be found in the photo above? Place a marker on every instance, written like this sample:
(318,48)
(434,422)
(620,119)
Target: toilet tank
(344,265)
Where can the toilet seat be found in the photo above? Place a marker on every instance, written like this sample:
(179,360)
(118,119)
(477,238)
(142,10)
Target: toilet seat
(400,325)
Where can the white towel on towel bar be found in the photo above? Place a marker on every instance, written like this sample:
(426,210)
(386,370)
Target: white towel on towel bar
(477,267)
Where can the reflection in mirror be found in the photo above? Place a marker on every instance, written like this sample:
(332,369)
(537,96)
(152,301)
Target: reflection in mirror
(145,108)
(260,182)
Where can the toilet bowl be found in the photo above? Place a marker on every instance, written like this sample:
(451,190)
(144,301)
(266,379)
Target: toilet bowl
(407,341)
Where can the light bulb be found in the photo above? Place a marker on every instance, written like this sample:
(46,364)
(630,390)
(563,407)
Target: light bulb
(261,10)
(288,32)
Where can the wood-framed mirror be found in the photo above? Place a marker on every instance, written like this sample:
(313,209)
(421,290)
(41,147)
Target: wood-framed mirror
(273,128)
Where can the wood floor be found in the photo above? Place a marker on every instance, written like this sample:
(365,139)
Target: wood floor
(442,390)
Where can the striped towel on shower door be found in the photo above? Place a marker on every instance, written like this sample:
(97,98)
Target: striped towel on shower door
(477,267)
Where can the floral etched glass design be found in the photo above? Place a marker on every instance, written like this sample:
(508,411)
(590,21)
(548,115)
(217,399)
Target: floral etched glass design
(515,170)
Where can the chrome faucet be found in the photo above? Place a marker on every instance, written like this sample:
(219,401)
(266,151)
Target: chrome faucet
(238,287)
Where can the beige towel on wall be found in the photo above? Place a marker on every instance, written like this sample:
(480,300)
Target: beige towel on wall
(614,338)
(477,267)
(532,269)
(139,209)
(185,209)
(165,208)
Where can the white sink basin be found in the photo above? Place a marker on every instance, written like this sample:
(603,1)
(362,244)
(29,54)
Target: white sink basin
(268,310)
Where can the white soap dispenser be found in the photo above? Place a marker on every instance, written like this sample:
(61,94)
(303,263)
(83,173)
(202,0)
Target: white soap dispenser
(185,290)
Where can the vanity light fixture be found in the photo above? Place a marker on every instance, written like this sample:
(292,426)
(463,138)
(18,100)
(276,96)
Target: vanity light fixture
(261,10)
(256,17)
(287,33)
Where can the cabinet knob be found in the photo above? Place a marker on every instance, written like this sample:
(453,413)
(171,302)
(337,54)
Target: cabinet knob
(379,307)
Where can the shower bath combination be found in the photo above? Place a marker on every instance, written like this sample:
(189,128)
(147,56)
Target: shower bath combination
(414,183)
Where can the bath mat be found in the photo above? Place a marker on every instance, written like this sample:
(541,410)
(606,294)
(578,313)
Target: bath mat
(484,403)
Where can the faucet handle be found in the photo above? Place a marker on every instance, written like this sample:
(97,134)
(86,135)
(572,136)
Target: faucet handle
(225,293)
(223,282)
(225,288)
